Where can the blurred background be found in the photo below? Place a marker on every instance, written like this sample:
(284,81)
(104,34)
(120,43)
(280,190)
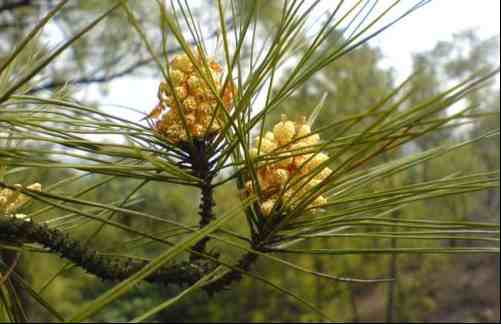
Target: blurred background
(446,41)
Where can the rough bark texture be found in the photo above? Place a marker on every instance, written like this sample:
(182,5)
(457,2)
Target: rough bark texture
(116,268)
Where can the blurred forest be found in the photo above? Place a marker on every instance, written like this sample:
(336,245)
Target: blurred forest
(427,287)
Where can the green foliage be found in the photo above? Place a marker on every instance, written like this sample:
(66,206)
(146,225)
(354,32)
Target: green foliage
(413,174)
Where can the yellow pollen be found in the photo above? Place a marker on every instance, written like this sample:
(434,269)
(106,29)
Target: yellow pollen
(290,161)
(193,98)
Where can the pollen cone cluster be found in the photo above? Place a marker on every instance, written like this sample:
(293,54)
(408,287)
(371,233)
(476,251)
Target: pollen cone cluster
(287,177)
(11,200)
(191,96)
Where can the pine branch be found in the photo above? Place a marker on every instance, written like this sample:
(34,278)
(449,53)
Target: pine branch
(116,268)
(104,267)
(245,263)
(199,159)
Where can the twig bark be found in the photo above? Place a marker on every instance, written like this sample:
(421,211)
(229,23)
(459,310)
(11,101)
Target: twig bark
(117,268)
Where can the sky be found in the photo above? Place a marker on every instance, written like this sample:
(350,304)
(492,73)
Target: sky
(437,21)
